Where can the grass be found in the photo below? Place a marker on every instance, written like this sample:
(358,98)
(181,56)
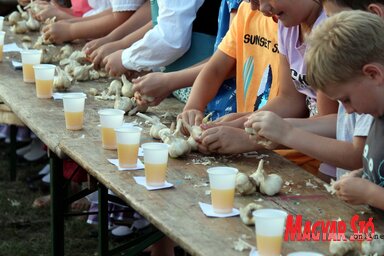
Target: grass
(25,230)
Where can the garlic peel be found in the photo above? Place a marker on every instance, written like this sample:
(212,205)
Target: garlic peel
(246,215)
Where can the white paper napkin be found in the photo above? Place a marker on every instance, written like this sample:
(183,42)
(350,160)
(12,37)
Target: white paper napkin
(59,95)
(17,64)
(139,165)
(11,48)
(208,210)
(141,181)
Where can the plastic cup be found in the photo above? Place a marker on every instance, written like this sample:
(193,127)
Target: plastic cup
(74,110)
(28,59)
(305,254)
(109,120)
(269,225)
(2,36)
(1,23)
(155,162)
(44,74)
(222,181)
(128,142)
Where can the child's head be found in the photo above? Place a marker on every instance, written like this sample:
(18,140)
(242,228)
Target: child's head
(292,13)
(335,6)
(345,60)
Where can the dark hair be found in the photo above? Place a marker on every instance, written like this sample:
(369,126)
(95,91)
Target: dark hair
(356,4)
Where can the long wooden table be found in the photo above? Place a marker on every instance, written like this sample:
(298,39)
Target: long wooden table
(173,211)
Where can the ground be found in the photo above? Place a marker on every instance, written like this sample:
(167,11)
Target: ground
(25,230)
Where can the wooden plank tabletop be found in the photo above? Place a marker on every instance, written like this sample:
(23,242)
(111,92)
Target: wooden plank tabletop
(174,211)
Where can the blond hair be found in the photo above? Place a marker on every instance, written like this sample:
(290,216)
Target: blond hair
(340,47)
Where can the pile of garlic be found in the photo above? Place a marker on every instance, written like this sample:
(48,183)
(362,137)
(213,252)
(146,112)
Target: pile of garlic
(375,247)
(22,22)
(270,184)
(178,143)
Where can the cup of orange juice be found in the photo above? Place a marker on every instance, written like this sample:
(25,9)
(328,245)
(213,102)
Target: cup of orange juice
(110,119)
(74,110)
(44,74)
(155,162)
(222,180)
(2,36)
(28,59)
(269,225)
(1,23)
(128,142)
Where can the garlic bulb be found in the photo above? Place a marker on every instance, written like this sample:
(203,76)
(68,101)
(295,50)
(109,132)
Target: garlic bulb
(81,73)
(78,56)
(341,248)
(33,24)
(137,108)
(14,17)
(268,184)
(122,103)
(65,51)
(244,185)
(114,88)
(178,145)
(373,247)
(24,14)
(62,82)
(156,125)
(126,90)
(20,27)
(195,132)
(94,74)
(70,67)
(246,215)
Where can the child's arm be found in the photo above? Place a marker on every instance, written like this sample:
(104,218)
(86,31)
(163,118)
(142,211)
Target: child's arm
(63,31)
(139,19)
(355,190)
(103,51)
(160,85)
(207,84)
(342,154)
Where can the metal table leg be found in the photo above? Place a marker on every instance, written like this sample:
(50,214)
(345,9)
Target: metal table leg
(57,205)
(103,220)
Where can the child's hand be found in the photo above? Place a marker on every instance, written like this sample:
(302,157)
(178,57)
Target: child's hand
(268,125)
(154,85)
(91,46)
(192,116)
(114,65)
(352,189)
(103,51)
(225,140)
(58,32)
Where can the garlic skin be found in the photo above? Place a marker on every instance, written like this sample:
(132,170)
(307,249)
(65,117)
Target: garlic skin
(341,248)
(33,24)
(156,125)
(66,51)
(244,185)
(268,184)
(127,89)
(260,140)
(246,215)
(62,82)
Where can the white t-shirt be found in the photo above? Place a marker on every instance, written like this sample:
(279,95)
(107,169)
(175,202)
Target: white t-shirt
(97,6)
(349,126)
(126,5)
(168,40)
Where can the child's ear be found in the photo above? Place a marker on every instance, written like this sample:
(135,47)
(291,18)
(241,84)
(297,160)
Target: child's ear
(374,71)
(376,9)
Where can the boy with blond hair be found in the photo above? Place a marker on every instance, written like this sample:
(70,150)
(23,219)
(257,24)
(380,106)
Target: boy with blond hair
(343,68)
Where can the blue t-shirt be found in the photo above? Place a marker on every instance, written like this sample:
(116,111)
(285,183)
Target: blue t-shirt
(225,99)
